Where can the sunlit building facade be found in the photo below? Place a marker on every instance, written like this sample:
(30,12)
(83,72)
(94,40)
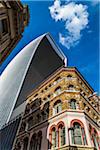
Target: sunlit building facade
(62,113)
(13,18)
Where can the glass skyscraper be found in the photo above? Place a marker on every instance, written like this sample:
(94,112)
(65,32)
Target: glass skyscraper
(30,67)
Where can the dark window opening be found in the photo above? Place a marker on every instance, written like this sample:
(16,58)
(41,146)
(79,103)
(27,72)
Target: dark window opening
(3,26)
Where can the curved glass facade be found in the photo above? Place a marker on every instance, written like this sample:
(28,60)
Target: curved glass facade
(13,77)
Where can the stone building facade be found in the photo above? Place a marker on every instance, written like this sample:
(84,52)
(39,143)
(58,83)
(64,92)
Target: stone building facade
(61,114)
(13,18)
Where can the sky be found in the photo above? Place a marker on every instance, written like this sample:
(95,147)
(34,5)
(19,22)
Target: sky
(74,25)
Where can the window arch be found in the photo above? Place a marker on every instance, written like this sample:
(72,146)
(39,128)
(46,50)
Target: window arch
(71,87)
(36,95)
(57,88)
(57,91)
(78,133)
(73,104)
(57,79)
(35,143)
(69,76)
(57,107)
(25,143)
(61,134)
(57,135)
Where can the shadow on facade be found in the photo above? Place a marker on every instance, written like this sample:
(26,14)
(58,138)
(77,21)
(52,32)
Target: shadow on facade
(32,134)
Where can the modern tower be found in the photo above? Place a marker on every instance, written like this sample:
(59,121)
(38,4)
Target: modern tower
(31,66)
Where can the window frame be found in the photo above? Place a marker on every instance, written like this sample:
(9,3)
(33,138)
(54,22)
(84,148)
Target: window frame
(73,104)
(57,107)
(83,134)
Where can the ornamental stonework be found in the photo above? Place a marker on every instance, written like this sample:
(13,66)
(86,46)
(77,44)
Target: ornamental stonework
(53,107)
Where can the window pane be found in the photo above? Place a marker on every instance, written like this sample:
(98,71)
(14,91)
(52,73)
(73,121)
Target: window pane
(73,104)
(54,138)
(60,107)
(77,134)
(78,140)
(57,107)
(61,136)
(63,141)
(72,135)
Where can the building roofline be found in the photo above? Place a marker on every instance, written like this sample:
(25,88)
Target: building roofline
(78,72)
(57,72)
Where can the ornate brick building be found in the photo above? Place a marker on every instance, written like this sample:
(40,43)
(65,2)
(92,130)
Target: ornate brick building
(13,19)
(62,113)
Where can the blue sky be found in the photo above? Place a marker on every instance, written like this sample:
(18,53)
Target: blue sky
(83,52)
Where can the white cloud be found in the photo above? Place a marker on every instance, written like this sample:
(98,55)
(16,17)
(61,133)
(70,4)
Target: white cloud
(75,17)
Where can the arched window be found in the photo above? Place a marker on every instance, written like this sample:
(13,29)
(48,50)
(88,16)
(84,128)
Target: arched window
(57,79)
(73,104)
(57,136)
(71,87)
(33,142)
(78,134)
(53,137)
(57,107)
(57,91)
(25,143)
(61,135)
(36,95)
(69,76)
